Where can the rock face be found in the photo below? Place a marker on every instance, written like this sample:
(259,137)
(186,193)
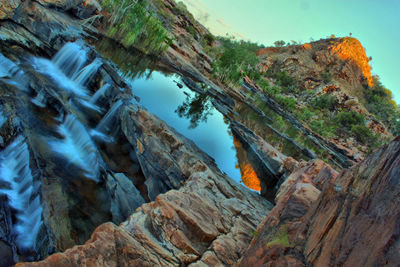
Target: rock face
(76,151)
(208,222)
(337,67)
(353,222)
(7,8)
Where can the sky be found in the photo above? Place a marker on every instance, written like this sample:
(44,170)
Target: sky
(376,23)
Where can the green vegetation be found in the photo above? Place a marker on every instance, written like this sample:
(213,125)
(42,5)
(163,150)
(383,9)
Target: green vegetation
(284,81)
(190,29)
(287,101)
(364,135)
(132,24)
(280,238)
(279,43)
(196,109)
(327,76)
(380,103)
(325,101)
(237,59)
(347,119)
(329,122)
(209,39)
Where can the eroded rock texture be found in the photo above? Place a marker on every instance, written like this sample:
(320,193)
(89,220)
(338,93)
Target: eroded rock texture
(208,222)
(353,222)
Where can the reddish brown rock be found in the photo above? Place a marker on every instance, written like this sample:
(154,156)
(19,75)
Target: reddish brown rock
(7,8)
(209,221)
(354,222)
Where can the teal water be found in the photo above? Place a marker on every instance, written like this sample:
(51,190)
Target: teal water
(189,113)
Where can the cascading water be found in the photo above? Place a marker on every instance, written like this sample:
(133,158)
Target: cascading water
(99,93)
(22,192)
(3,119)
(47,67)
(71,58)
(40,99)
(15,76)
(84,75)
(105,123)
(87,104)
(68,70)
(77,147)
(7,67)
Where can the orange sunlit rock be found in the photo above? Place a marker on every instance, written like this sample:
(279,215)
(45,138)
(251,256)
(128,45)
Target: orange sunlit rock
(249,176)
(349,48)
(267,50)
(306,46)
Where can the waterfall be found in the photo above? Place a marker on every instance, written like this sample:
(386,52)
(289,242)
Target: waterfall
(101,137)
(89,105)
(85,74)
(47,67)
(99,93)
(7,67)
(40,99)
(22,192)
(104,124)
(77,147)
(3,119)
(71,58)
(68,70)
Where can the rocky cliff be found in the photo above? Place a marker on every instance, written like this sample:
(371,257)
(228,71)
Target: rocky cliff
(325,219)
(77,150)
(335,72)
(90,177)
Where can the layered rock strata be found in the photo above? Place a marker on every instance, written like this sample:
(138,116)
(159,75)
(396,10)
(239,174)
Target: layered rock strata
(350,219)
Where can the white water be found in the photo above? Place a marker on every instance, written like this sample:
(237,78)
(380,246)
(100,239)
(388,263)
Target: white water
(89,105)
(68,70)
(104,124)
(84,75)
(3,119)
(101,137)
(40,99)
(47,67)
(77,147)
(99,93)
(71,58)
(7,67)
(21,190)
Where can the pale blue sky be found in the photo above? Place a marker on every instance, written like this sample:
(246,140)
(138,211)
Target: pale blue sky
(376,23)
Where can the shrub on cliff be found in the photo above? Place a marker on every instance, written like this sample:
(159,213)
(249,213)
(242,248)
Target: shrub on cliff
(286,82)
(327,76)
(380,103)
(347,119)
(236,60)
(288,102)
(325,101)
(133,25)
(364,135)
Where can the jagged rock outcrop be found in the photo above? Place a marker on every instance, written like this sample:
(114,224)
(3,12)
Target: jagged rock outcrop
(271,166)
(335,67)
(208,222)
(350,219)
